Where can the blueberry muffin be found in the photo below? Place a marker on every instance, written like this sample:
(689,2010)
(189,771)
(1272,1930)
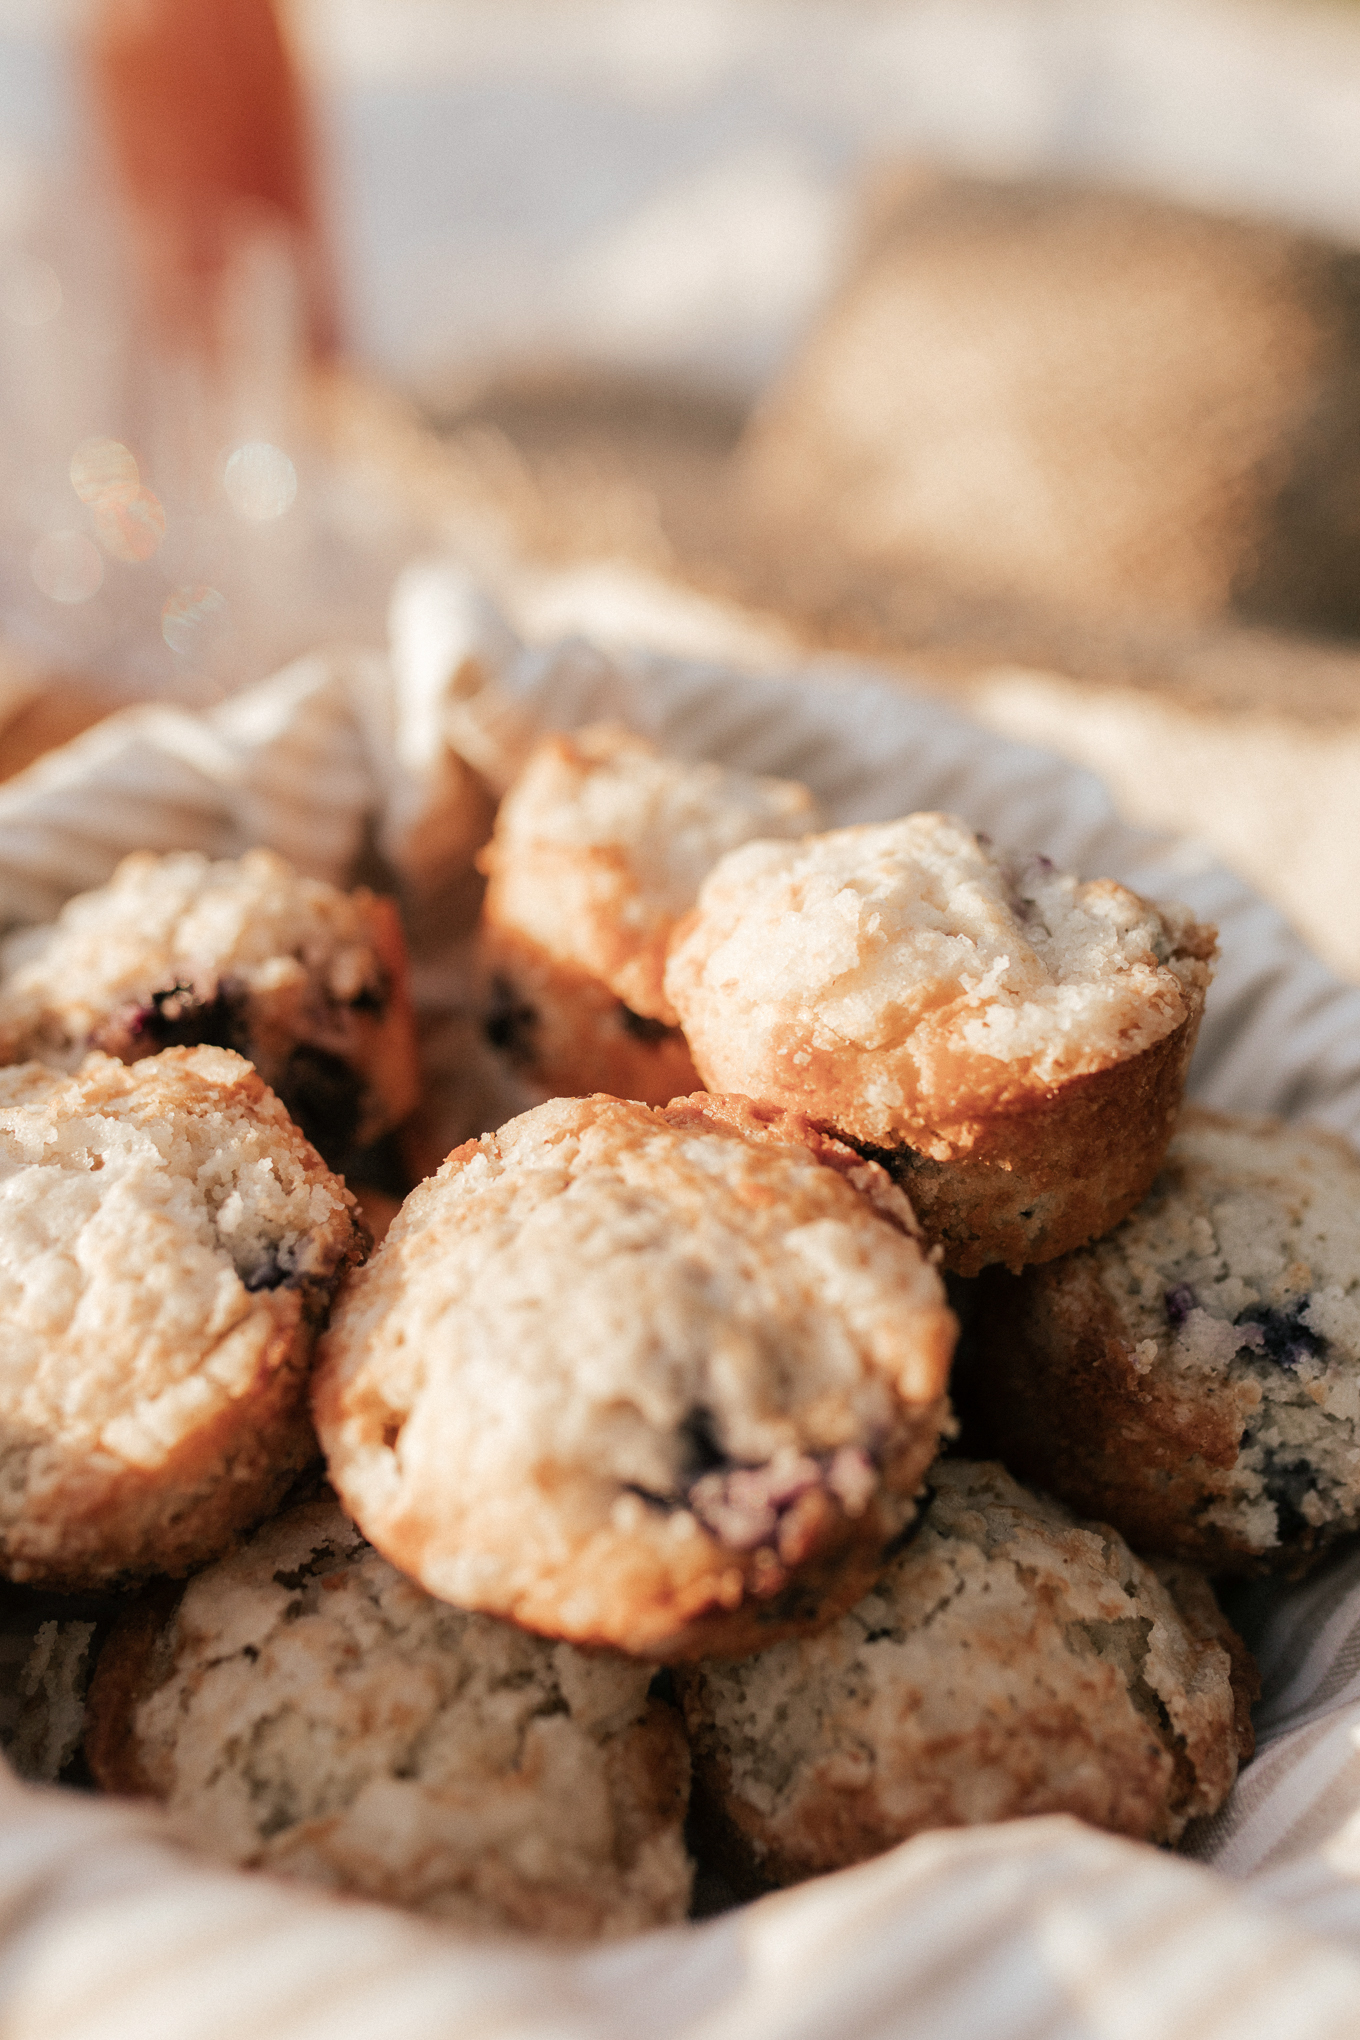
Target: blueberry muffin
(599,848)
(662,1380)
(302,1708)
(1011,1661)
(169,1243)
(308,982)
(1011,1044)
(1195,1378)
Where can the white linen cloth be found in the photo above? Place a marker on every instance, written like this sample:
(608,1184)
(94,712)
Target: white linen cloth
(1026,1931)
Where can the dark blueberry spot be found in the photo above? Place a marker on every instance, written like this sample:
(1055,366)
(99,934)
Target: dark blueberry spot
(908,1531)
(555,1703)
(174,1018)
(703,1453)
(324,1095)
(898,1161)
(511,1021)
(1287,1339)
(641,1027)
(322,1561)
(1287,1484)
(1180,1301)
(268,1274)
(663,1687)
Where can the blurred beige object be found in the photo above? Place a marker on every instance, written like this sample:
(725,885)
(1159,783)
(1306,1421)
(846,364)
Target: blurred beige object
(1039,1927)
(39,709)
(1083,399)
(49,716)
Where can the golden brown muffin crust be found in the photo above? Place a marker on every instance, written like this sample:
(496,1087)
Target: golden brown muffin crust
(1011,1661)
(169,1243)
(1011,1042)
(300,1707)
(630,1377)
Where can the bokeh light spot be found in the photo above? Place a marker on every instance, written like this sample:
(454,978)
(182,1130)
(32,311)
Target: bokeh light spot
(99,466)
(260,481)
(190,614)
(30,291)
(66,566)
(130,523)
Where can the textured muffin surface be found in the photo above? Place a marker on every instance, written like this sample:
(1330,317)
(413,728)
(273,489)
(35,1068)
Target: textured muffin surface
(1196,1376)
(307,981)
(1011,1042)
(307,1710)
(602,844)
(168,1242)
(922,977)
(660,1379)
(1011,1661)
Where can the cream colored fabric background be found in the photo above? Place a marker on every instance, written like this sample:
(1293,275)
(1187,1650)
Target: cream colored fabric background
(1040,1928)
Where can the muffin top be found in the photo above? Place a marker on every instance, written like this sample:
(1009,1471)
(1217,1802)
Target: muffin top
(601,845)
(1010,1661)
(901,974)
(159,1223)
(307,1709)
(610,1359)
(179,924)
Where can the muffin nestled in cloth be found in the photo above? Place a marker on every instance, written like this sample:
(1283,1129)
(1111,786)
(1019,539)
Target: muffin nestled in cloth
(1012,1661)
(664,1380)
(1010,1043)
(1195,1378)
(599,848)
(168,1244)
(305,1709)
(309,982)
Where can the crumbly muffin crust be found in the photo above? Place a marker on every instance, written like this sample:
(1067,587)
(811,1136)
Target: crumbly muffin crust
(308,982)
(664,1380)
(1011,1041)
(1011,1661)
(601,846)
(168,1244)
(305,1709)
(1195,1377)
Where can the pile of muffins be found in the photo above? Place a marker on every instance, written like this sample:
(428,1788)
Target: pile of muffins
(613,1511)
